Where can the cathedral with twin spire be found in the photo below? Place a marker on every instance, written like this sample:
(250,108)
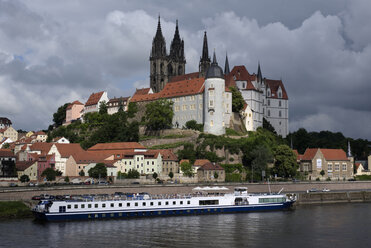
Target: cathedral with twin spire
(205,96)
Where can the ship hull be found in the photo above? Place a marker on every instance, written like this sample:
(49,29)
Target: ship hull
(155,212)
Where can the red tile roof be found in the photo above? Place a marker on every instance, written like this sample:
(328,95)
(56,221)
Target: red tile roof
(201,162)
(211,166)
(167,155)
(85,157)
(329,154)
(123,99)
(6,153)
(22,165)
(188,76)
(143,91)
(116,146)
(240,73)
(274,86)
(174,89)
(94,98)
(41,146)
(74,103)
(334,154)
(66,150)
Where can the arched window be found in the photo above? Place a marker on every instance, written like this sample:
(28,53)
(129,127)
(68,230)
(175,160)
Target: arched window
(162,68)
(180,70)
(154,67)
(170,70)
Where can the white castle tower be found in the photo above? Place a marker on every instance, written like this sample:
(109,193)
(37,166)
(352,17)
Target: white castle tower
(214,100)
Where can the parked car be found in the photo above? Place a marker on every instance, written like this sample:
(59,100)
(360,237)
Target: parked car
(31,184)
(102,183)
(312,190)
(36,197)
(326,190)
(13,185)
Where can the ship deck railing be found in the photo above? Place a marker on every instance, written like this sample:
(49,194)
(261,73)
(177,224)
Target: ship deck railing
(140,197)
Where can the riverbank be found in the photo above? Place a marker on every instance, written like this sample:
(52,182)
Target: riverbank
(14,210)
(334,197)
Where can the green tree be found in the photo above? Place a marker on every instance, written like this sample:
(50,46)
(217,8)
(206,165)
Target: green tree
(103,108)
(171,175)
(132,109)
(159,114)
(60,116)
(192,124)
(24,178)
(49,174)
(82,173)
(237,100)
(132,173)
(58,173)
(6,146)
(216,175)
(188,152)
(285,162)
(261,157)
(154,175)
(98,171)
(267,125)
(186,168)
(67,179)
(322,173)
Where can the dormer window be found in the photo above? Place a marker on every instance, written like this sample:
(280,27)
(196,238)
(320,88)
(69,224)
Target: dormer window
(268,93)
(279,94)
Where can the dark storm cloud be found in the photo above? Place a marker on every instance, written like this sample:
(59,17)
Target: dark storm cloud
(67,49)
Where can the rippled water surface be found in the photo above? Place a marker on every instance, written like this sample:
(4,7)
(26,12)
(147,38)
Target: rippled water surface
(338,225)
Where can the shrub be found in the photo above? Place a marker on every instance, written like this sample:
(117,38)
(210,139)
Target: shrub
(328,179)
(317,179)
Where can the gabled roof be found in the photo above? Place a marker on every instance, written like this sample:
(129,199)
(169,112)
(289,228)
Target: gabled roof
(240,73)
(201,162)
(66,150)
(167,155)
(211,166)
(84,157)
(274,85)
(143,91)
(40,133)
(94,98)
(41,146)
(174,89)
(188,76)
(74,103)
(6,153)
(329,154)
(334,154)
(116,146)
(22,165)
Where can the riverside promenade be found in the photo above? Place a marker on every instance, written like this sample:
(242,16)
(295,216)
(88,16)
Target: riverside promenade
(25,193)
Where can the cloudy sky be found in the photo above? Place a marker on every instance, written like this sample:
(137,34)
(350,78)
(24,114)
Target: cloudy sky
(53,52)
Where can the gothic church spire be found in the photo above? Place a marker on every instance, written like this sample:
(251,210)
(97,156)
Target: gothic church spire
(205,59)
(226,67)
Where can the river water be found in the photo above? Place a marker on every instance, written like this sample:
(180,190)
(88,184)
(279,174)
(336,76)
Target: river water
(335,225)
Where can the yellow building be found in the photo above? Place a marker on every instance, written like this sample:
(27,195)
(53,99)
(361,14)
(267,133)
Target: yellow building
(9,132)
(29,134)
(28,168)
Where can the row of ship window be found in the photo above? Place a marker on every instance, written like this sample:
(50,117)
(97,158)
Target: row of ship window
(128,204)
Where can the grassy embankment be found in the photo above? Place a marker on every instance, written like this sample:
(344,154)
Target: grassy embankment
(14,210)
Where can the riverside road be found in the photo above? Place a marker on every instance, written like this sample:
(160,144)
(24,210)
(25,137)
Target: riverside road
(25,193)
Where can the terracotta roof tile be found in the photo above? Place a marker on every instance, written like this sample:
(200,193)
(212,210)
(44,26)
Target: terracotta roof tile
(22,165)
(41,146)
(240,73)
(334,154)
(74,103)
(143,91)
(94,98)
(6,153)
(201,162)
(113,100)
(67,150)
(167,155)
(211,166)
(309,153)
(188,76)
(274,86)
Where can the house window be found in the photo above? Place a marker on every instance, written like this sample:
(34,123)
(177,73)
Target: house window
(211,123)
(279,103)
(279,94)
(337,167)
(269,102)
(269,112)
(211,103)
(329,167)
(344,167)
(279,113)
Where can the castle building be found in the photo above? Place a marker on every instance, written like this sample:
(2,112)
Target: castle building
(204,96)
(163,66)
